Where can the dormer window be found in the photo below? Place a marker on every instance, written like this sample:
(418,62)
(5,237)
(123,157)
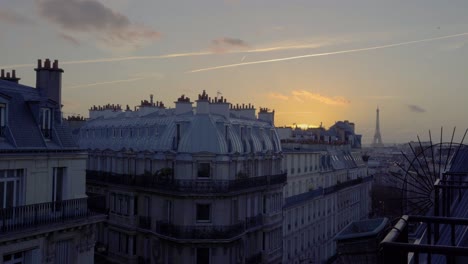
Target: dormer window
(2,119)
(46,121)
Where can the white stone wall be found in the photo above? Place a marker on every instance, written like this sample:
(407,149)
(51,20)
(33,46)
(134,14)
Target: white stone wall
(310,225)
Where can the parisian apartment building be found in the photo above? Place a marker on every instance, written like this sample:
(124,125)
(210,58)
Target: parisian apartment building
(201,182)
(328,187)
(45,215)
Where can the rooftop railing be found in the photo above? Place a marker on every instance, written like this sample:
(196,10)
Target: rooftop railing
(186,185)
(43,214)
(396,247)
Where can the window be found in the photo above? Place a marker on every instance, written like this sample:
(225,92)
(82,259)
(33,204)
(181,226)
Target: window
(120,204)
(10,188)
(203,212)
(2,119)
(204,170)
(63,253)
(46,121)
(168,211)
(118,242)
(58,184)
(203,255)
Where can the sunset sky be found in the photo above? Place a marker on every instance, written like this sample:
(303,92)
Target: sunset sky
(311,61)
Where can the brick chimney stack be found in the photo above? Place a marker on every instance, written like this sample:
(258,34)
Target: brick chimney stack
(49,80)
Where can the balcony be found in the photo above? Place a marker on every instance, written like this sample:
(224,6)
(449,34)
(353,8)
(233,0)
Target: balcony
(144,222)
(20,218)
(396,247)
(200,232)
(183,185)
(254,259)
(440,238)
(253,222)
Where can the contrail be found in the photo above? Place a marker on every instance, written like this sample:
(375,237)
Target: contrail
(326,53)
(109,82)
(172,55)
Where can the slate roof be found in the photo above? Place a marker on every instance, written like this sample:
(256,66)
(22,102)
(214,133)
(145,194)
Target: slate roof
(198,133)
(22,129)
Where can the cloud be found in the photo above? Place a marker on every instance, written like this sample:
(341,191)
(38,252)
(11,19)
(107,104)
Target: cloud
(278,96)
(11,17)
(92,17)
(304,95)
(69,39)
(222,45)
(416,109)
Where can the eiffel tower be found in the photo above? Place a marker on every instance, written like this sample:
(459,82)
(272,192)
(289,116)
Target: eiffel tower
(377,137)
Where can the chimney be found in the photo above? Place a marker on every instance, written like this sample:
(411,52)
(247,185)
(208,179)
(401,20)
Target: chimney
(203,103)
(10,77)
(183,105)
(267,116)
(49,80)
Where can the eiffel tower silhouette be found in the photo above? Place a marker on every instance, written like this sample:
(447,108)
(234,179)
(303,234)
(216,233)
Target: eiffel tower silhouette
(377,137)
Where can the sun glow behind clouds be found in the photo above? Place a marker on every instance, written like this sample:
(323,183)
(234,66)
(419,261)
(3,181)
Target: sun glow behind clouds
(303,126)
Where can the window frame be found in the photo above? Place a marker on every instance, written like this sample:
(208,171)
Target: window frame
(197,213)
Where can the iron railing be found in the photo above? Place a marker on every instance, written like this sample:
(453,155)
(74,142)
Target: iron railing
(144,222)
(255,221)
(395,247)
(186,185)
(199,231)
(254,259)
(34,215)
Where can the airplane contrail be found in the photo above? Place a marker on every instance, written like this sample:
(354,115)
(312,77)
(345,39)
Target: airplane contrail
(108,82)
(325,53)
(171,55)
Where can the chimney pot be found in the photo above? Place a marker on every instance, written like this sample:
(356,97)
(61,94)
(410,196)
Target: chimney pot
(13,73)
(55,64)
(3,73)
(39,64)
(47,64)
(8,75)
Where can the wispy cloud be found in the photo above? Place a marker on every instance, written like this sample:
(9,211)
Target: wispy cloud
(306,95)
(69,39)
(278,96)
(416,108)
(327,53)
(92,17)
(11,17)
(223,45)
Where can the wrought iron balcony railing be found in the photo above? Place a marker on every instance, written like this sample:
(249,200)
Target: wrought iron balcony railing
(34,215)
(255,221)
(144,222)
(186,185)
(254,259)
(199,232)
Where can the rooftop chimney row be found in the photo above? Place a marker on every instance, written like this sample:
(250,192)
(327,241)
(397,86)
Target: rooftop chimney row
(9,77)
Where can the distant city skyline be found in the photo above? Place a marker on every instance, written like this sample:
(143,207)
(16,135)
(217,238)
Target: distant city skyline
(313,62)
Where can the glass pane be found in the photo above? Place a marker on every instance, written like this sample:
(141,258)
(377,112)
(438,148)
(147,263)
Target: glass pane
(203,255)
(204,170)
(9,194)
(203,212)
(2,195)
